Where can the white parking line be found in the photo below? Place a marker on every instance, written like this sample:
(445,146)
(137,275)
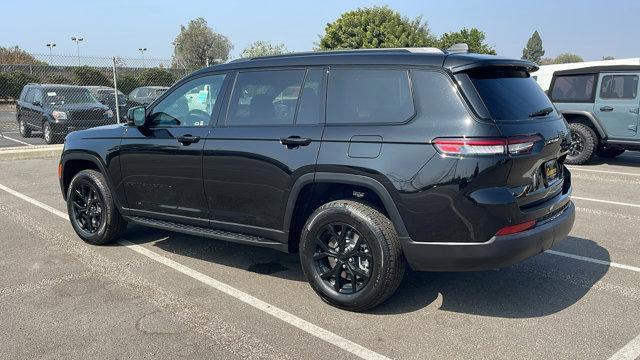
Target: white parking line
(312,329)
(595,261)
(18,141)
(605,201)
(630,351)
(572,168)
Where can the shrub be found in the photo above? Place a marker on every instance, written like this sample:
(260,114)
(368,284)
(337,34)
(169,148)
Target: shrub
(127,83)
(86,76)
(4,86)
(58,79)
(156,77)
(16,81)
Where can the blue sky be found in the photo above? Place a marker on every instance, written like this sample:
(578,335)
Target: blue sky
(588,28)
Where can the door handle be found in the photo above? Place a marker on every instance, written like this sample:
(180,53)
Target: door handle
(188,139)
(606,109)
(293,141)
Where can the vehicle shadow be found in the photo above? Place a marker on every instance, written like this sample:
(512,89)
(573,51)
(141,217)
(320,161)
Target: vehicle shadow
(629,158)
(537,287)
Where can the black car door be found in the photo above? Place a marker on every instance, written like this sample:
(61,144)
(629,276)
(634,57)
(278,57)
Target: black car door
(268,136)
(37,110)
(162,161)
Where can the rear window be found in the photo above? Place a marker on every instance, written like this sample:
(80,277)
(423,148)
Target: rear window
(509,93)
(369,96)
(574,88)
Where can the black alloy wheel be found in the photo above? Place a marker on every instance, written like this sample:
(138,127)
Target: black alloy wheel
(342,258)
(88,208)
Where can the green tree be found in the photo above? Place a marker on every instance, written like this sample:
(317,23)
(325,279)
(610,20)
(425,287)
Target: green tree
(88,76)
(5,85)
(17,80)
(263,48)
(375,27)
(58,79)
(533,51)
(472,37)
(126,83)
(156,77)
(15,55)
(197,44)
(566,58)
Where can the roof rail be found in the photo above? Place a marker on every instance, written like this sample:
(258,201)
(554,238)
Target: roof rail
(458,48)
(421,50)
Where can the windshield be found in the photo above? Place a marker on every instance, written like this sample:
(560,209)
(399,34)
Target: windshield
(510,94)
(68,96)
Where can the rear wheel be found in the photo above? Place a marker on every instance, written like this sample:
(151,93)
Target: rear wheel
(25,132)
(583,144)
(91,209)
(609,152)
(351,255)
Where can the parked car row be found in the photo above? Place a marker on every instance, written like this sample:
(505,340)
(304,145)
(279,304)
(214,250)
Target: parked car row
(55,110)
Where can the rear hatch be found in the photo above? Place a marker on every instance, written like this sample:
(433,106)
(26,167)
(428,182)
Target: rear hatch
(508,96)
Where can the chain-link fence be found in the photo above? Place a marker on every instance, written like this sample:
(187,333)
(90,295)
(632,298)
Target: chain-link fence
(52,95)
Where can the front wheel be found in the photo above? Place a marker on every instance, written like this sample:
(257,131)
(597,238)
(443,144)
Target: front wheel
(25,132)
(351,255)
(91,209)
(583,144)
(47,133)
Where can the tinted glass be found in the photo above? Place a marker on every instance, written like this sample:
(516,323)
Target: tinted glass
(369,96)
(143,92)
(509,93)
(573,88)
(309,109)
(265,97)
(37,96)
(619,87)
(29,97)
(61,96)
(191,104)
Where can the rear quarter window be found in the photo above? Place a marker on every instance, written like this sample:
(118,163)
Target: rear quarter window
(573,88)
(369,96)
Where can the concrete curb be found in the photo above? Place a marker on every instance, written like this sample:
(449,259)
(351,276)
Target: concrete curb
(30,152)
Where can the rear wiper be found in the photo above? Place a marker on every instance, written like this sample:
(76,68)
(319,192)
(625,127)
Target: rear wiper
(542,112)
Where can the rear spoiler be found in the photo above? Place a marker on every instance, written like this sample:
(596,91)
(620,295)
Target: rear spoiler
(456,63)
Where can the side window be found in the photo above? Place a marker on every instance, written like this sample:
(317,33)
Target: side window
(191,104)
(309,109)
(619,87)
(143,92)
(357,96)
(574,88)
(30,95)
(264,97)
(37,96)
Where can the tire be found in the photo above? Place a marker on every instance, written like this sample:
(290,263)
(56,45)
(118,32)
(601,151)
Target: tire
(25,132)
(584,144)
(47,133)
(369,247)
(609,152)
(110,224)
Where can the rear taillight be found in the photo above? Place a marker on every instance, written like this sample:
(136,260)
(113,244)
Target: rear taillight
(481,146)
(60,170)
(513,229)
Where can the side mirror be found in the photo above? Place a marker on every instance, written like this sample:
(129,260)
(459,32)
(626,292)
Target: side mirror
(136,116)
(37,103)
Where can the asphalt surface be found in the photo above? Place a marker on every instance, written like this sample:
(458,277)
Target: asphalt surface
(61,298)
(9,134)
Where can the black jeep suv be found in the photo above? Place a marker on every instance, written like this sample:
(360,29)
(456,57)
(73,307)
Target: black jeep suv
(362,161)
(56,110)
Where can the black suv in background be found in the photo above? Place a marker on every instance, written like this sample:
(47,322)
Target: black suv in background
(361,161)
(145,95)
(107,96)
(56,110)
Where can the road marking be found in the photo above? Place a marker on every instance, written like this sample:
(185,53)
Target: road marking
(605,201)
(16,140)
(312,329)
(595,261)
(630,351)
(602,171)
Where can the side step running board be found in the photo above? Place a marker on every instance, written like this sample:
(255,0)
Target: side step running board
(208,232)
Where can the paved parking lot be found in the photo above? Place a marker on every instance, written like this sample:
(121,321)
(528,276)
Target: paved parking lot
(158,294)
(9,134)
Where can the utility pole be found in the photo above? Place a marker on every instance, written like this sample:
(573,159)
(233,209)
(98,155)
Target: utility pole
(77,40)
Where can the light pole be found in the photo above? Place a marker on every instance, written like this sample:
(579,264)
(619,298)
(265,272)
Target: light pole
(142,50)
(77,40)
(51,46)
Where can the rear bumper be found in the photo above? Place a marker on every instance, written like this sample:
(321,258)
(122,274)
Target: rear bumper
(499,251)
